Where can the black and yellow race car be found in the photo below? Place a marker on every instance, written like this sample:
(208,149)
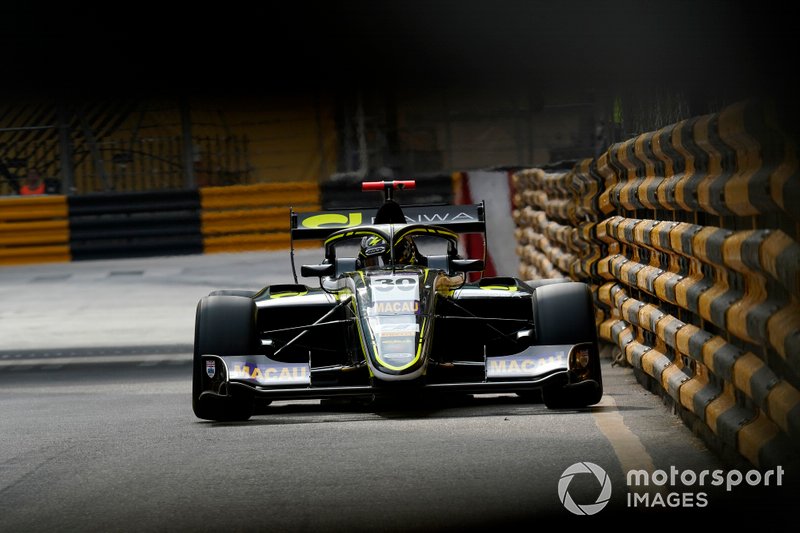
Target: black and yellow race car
(393,315)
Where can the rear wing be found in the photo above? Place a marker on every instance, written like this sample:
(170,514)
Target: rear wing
(456,218)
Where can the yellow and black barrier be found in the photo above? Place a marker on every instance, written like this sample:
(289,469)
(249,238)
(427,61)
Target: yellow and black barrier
(172,222)
(118,225)
(733,163)
(550,237)
(34,229)
(252,217)
(134,224)
(689,238)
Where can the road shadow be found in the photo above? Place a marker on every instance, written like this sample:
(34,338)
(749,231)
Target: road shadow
(359,410)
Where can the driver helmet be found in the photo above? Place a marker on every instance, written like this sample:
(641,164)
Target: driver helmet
(373,250)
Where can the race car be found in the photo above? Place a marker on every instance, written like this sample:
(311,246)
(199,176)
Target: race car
(394,315)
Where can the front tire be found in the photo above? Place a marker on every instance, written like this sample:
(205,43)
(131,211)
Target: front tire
(564,314)
(224,325)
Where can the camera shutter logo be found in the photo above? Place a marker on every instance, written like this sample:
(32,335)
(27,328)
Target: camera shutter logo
(602,498)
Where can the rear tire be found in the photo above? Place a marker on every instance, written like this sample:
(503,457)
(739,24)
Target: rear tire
(564,314)
(224,325)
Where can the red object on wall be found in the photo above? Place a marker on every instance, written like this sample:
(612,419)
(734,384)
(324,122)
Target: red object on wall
(27,189)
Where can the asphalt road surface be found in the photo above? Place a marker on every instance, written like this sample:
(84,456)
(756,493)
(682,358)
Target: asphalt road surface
(98,435)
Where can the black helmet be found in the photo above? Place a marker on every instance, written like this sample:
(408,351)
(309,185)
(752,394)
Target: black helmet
(373,250)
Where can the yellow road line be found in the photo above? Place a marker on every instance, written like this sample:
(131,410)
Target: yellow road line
(628,448)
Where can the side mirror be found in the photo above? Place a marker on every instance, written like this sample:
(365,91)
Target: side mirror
(317,271)
(466,265)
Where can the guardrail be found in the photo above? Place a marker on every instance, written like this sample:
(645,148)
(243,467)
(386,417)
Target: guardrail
(253,217)
(689,239)
(207,220)
(141,224)
(34,230)
(107,225)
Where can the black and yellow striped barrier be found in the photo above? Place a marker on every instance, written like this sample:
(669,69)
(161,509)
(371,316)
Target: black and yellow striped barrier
(34,229)
(734,163)
(134,224)
(253,217)
(683,357)
(689,238)
(172,222)
(547,247)
(118,225)
(717,274)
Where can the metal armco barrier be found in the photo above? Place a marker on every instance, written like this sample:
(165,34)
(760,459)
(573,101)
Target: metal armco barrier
(109,225)
(34,230)
(253,217)
(689,239)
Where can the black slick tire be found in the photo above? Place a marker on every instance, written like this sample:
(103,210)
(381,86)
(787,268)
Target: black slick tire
(224,325)
(564,314)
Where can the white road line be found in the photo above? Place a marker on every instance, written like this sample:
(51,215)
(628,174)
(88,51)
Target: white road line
(105,359)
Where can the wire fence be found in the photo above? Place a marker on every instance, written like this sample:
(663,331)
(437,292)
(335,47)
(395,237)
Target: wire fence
(122,165)
(143,146)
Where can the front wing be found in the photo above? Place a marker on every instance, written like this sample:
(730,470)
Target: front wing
(534,368)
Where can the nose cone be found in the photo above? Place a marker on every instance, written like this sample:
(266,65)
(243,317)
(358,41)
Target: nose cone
(394,313)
